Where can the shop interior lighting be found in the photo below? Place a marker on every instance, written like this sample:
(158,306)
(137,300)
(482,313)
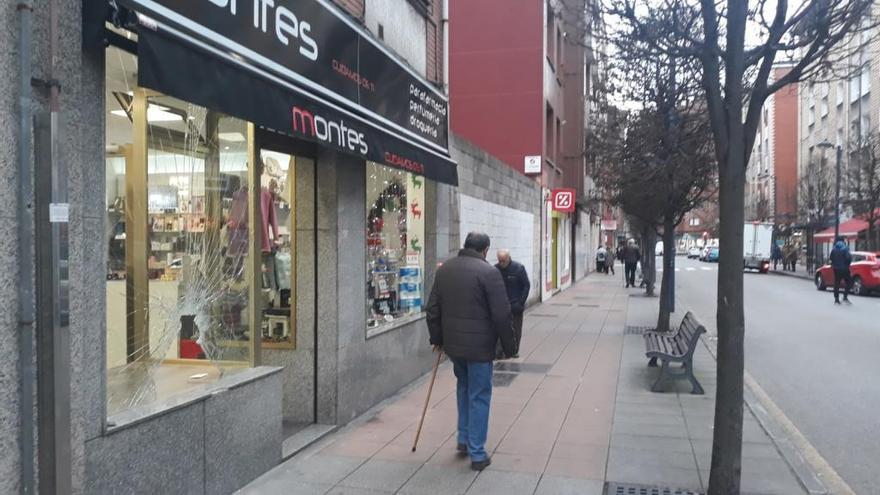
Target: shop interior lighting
(232,137)
(155,113)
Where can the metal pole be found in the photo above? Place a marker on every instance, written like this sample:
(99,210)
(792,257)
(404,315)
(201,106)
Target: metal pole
(25,210)
(837,194)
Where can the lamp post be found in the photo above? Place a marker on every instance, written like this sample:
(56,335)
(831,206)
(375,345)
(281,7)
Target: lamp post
(826,145)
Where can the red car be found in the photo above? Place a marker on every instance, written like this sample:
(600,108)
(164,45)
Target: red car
(865,271)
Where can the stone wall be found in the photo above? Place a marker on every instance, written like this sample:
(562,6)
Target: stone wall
(494,198)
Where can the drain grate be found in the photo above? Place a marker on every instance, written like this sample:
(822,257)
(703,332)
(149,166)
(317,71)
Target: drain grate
(613,488)
(588,305)
(567,305)
(635,330)
(543,315)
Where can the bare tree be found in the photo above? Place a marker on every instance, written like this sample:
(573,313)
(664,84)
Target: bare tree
(815,203)
(864,185)
(735,78)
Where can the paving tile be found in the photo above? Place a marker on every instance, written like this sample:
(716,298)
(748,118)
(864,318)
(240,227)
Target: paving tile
(651,443)
(317,469)
(566,450)
(361,449)
(644,429)
(350,490)
(560,485)
(440,480)
(584,436)
(404,453)
(504,483)
(518,463)
(656,458)
(379,474)
(281,486)
(577,468)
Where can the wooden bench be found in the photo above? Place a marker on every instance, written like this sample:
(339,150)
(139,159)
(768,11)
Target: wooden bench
(677,347)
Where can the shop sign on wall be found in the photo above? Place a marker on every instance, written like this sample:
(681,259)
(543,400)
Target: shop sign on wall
(563,200)
(312,44)
(533,164)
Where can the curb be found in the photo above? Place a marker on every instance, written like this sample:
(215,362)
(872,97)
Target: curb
(790,447)
(792,275)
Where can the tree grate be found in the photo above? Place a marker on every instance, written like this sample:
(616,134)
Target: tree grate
(636,330)
(613,488)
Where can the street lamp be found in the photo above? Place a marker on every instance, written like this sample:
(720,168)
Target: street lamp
(827,145)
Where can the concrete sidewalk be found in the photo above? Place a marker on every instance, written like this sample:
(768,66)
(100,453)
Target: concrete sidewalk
(573,413)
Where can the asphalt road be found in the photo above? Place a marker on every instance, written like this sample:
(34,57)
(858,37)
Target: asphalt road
(820,363)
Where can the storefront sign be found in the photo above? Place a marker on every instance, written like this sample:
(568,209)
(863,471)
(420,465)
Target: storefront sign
(609,224)
(533,164)
(563,200)
(311,43)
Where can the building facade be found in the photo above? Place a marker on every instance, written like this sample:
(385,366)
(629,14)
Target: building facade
(772,177)
(519,81)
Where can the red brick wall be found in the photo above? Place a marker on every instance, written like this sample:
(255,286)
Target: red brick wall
(785,141)
(354,7)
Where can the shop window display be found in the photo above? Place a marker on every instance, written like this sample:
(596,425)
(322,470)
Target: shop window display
(395,246)
(181,282)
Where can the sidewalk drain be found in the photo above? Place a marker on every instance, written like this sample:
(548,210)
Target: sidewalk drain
(503,379)
(543,315)
(613,488)
(588,305)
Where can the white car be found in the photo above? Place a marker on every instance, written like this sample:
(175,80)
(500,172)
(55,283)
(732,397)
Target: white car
(694,252)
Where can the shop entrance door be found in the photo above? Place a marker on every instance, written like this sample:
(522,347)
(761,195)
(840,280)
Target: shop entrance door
(289,270)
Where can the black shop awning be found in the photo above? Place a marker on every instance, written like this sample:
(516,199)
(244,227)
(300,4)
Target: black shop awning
(210,77)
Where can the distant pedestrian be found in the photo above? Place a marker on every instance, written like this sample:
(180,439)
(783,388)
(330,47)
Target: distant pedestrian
(609,260)
(786,256)
(793,257)
(516,281)
(776,256)
(467,312)
(631,257)
(840,261)
(601,256)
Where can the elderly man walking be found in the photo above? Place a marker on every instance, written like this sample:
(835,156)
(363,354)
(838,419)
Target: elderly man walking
(516,280)
(467,313)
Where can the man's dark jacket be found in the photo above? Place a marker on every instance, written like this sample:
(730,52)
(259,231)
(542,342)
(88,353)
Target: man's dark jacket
(840,257)
(468,309)
(631,254)
(516,280)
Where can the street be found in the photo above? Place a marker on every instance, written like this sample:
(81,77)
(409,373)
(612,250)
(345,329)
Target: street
(817,361)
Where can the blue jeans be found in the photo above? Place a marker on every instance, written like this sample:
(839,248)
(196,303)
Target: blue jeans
(474,393)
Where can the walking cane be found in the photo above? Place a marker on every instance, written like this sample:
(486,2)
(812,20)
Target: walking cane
(428,398)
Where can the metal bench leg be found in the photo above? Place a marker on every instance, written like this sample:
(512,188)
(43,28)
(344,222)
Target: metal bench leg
(652,363)
(664,368)
(696,389)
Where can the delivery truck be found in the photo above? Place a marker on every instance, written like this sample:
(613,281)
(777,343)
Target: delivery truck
(757,245)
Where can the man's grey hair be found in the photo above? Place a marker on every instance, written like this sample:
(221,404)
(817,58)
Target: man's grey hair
(477,241)
(504,252)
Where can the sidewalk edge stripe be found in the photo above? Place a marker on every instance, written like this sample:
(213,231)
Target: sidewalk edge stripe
(812,471)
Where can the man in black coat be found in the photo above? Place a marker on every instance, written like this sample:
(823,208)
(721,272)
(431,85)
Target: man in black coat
(631,257)
(516,280)
(467,313)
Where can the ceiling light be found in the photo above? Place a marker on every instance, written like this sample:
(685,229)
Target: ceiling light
(232,137)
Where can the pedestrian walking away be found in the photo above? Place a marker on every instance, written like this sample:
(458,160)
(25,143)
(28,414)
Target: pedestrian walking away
(516,281)
(601,256)
(609,260)
(631,257)
(776,255)
(468,311)
(841,258)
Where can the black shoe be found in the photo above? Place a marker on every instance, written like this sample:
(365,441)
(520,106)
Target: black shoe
(461,450)
(481,465)
(836,301)
(515,356)
(846,300)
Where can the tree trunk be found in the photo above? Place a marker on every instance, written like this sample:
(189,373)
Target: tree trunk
(667,289)
(724,477)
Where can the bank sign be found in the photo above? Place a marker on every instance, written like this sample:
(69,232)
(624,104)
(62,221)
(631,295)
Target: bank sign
(311,43)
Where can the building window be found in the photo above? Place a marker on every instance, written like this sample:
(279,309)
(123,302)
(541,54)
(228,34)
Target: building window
(841,89)
(551,39)
(694,222)
(865,81)
(823,109)
(395,245)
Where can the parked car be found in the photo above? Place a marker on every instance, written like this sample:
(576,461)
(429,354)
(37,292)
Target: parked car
(865,271)
(704,254)
(712,254)
(694,252)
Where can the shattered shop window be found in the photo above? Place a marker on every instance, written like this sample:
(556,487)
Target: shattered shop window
(395,245)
